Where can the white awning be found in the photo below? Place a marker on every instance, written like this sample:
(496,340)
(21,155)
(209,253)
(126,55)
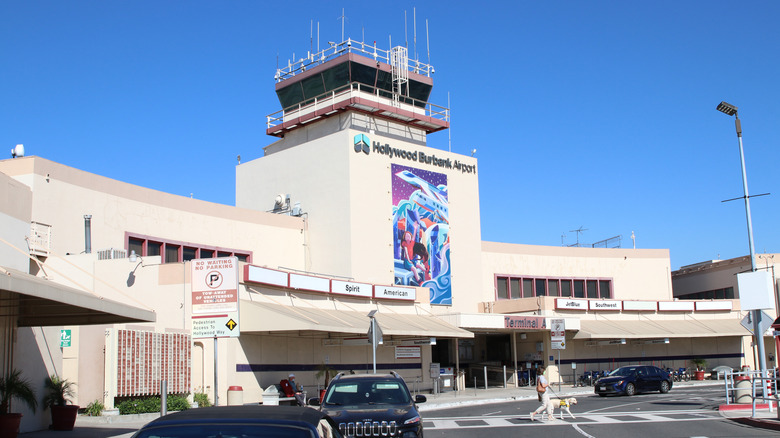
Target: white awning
(37,302)
(261,317)
(660,329)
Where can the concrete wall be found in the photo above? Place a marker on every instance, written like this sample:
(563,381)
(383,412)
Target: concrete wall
(347,198)
(637,274)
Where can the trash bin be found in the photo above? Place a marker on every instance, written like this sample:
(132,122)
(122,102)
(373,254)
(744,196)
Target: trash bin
(742,390)
(235,396)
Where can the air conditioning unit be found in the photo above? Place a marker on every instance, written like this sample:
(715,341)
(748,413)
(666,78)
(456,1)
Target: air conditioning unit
(111,253)
(296,210)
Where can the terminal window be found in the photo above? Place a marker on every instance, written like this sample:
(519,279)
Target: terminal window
(514,287)
(174,252)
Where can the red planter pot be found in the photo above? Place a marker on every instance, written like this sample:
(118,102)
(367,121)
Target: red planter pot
(64,417)
(9,425)
(698,375)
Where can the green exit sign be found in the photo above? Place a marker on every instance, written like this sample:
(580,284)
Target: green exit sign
(64,338)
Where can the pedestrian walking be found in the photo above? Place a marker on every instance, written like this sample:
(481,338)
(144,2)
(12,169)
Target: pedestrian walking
(544,394)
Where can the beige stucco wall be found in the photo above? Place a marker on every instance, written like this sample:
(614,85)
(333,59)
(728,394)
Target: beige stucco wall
(15,211)
(347,198)
(637,274)
(63,195)
(719,274)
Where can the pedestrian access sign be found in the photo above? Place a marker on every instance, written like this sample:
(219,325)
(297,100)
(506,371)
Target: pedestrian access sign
(215,298)
(65,338)
(558,334)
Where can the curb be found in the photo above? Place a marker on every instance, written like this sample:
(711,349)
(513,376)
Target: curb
(742,407)
(754,422)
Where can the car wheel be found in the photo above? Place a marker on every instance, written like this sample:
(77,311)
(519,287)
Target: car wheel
(630,389)
(664,387)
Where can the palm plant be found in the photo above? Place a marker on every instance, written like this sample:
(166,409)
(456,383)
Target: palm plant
(324,370)
(59,391)
(14,386)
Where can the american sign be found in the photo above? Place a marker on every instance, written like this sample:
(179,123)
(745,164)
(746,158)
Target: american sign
(258,274)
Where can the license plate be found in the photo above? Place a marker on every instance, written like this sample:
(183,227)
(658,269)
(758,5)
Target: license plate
(602,388)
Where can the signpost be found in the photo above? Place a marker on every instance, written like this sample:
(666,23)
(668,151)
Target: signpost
(374,334)
(215,303)
(763,326)
(558,341)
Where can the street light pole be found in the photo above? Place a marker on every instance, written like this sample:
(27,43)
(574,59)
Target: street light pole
(731,110)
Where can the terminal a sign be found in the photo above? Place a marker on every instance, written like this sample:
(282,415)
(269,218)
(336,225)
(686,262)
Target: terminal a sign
(525,322)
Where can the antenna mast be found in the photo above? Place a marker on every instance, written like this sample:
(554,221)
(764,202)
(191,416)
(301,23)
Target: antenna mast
(414,24)
(406,32)
(427,41)
(449,131)
(578,231)
(343,17)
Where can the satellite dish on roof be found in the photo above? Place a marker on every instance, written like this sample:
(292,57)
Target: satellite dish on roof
(17,151)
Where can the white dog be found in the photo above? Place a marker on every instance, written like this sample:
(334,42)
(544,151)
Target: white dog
(564,404)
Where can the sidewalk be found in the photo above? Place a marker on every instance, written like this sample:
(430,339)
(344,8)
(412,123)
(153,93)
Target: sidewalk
(123,426)
(742,413)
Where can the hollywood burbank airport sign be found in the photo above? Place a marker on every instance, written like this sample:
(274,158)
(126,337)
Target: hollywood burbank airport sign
(363,144)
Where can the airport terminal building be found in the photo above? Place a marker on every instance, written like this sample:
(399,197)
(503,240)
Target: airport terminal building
(349,213)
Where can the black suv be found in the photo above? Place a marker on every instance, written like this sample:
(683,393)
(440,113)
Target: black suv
(365,405)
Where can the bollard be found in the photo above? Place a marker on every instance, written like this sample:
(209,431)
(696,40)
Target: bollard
(485,371)
(742,389)
(235,396)
(163,398)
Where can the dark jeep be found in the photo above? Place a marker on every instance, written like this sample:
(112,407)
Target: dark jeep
(368,405)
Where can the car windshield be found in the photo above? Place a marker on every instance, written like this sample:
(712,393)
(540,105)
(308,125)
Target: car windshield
(624,371)
(366,392)
(201,430)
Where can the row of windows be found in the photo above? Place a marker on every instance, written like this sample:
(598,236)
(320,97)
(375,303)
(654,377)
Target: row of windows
(717,294)
(173,252)
(521,287)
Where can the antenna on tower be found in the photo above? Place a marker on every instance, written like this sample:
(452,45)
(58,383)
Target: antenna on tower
(311,36)
(414,25)
(427,42)
(343,17)
(449,131)
(578,231)
(406,32)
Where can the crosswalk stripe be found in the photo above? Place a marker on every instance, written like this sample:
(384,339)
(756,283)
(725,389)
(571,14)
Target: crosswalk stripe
(611,418)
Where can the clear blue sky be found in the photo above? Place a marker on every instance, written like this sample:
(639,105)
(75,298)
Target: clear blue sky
(592,114)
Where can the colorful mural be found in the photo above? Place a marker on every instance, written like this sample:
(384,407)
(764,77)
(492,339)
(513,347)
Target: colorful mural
(421,231)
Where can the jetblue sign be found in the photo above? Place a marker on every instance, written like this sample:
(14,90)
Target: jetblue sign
(361,144)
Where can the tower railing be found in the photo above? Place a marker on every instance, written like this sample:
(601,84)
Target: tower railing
(333,100)
(349,46)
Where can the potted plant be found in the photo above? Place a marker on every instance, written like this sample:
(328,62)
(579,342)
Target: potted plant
(324,370)
(59,392)
(13,386)
(700,365)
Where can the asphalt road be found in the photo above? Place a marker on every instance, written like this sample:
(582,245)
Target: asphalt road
(683,412)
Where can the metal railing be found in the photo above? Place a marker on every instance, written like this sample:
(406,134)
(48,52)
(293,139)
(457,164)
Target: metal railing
(334,50)
(742,384)
(354,89)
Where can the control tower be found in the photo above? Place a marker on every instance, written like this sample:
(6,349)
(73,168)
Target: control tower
(351,158)
(354,76)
